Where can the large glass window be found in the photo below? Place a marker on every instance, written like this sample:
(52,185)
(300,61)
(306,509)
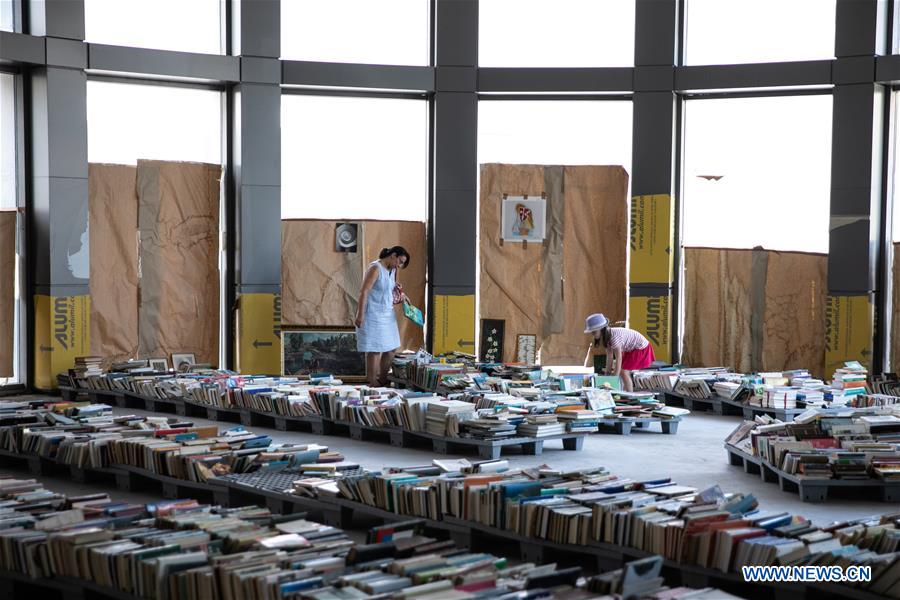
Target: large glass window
(131,121)
(895,172)
(555,132)
(390,32)
(7,19)
(891,296)
(354,158)
(185,25)
(7,141)
(757,172)
(9,201)
(556,33)
(739,31)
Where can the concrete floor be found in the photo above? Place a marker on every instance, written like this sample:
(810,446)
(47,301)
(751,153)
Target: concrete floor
(694,456)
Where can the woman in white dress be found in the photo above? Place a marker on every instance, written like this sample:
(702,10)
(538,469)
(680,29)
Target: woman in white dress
(376,325)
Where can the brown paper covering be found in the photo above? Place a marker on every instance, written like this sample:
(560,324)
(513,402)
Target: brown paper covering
(719,294)
(594,242)
(179,229)
(114,283)
(7,291)
(320,286)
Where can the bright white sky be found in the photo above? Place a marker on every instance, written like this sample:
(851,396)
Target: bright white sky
(558,132)
(7,141)
(186,25)
(896,174)
(131,121)
(556,33)
(6,15)
(744,31)
(774,156)
(356,31)
(354,158)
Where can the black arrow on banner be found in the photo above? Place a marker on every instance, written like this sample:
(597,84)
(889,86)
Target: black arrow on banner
(462,342)
(46,349)
(257,343)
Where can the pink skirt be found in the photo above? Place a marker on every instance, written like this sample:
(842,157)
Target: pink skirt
(638,359)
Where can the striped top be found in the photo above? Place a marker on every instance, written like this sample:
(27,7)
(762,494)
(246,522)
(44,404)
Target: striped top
(626,339)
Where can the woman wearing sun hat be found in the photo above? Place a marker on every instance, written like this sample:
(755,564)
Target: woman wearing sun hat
(626,349)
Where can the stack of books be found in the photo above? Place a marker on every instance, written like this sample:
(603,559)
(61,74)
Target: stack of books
(442,417)
(579,421)
(779,397)
(491,427)
(663,380)
(727,389)
(88,366)
(850,379)
(541,426)
(187,550)
(827,443)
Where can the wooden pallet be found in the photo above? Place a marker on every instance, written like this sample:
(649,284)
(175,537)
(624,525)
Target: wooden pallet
(782,414)
(812,489)
(340,512)
(625,426)
(712,404)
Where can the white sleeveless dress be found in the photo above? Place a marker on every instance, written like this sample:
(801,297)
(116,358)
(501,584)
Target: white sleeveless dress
(379,332)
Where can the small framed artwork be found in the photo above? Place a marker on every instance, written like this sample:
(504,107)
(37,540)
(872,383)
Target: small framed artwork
(183,362)
(526,348)
(523,219)
(345,237)
(491,347)
(307,351)
(160,365)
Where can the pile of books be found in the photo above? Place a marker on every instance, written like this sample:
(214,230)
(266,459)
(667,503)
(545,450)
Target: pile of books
(663,380)
(834,443)
(850,379)
(579,420)
(779,397)
(505,393)
(89,436)
(728,390)
(87,366)
(442,417)
(705,528)
(186,550)
(490,427)
(541,426)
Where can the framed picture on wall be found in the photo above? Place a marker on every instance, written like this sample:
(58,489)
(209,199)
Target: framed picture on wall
(345,237)
(523,219)
(310,350)
(526,348)
(491,346)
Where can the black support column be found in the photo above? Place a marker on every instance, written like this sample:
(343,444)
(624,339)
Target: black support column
(651,277)
(453,229)
(855,225)
(58,235)
(256,184)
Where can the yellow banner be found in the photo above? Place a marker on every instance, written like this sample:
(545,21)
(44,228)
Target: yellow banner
(61,332)
(259,334)
(454,324)
(651,239)
(848,331)
(651,315)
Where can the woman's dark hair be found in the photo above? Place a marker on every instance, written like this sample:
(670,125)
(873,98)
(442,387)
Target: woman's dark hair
(604,336)
(396,250)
